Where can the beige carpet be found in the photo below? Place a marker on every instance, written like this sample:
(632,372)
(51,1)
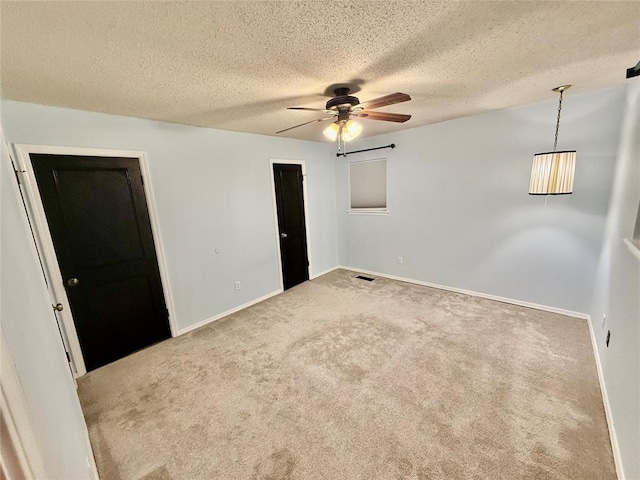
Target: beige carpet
(340,378)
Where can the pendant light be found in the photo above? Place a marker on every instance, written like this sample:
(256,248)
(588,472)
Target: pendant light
(552,172)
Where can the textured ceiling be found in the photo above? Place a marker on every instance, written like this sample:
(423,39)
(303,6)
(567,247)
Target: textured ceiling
(238,65)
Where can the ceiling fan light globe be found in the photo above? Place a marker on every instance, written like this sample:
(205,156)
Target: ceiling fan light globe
(346,137)
(331,132)
(351,130)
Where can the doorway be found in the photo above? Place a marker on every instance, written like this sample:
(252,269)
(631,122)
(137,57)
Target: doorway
(288,181)
(95,228)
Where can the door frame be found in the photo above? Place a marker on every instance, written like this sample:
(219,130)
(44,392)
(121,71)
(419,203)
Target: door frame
(44,241)
(272,162)
(18,429)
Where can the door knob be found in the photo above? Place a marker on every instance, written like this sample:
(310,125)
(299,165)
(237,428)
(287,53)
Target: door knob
(283,235)
(58,307)
(72,282)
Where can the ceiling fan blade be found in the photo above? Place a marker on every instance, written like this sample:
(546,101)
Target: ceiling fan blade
(305,123)
(308,109)
(390,99)
(384,116)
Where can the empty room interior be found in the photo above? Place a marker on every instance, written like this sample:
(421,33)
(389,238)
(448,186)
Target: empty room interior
(298,240)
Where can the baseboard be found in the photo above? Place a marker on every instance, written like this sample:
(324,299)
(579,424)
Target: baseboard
(617,458)
(488,296)
(245,305)
(316,275)
(228,312)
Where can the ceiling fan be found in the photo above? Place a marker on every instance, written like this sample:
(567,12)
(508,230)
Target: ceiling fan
(344,106)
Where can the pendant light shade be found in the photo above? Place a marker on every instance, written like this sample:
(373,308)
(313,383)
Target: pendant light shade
(552,172)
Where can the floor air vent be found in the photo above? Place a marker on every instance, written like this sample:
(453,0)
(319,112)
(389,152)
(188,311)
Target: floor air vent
(362,277)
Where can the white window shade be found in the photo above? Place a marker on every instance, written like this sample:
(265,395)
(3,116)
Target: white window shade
(368,185)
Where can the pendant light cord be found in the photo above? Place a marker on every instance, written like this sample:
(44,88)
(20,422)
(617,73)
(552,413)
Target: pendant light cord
(555,140)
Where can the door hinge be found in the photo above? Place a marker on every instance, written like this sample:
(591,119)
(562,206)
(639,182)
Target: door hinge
(167,310)
(68,357)
(18,172)
(142,179)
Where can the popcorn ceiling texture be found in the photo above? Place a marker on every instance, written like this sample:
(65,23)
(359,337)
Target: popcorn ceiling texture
(238,65)
(339,378)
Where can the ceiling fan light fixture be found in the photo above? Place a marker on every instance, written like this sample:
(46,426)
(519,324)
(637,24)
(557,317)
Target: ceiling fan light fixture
(331,132)
(351,130)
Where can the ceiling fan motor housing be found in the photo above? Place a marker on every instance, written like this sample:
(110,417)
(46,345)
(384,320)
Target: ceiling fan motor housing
(342,99)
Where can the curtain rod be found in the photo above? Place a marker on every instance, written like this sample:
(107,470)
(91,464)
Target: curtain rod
(391,145)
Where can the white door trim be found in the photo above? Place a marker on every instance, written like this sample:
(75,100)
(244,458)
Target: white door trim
(272,162)
(14,412)
(44,242)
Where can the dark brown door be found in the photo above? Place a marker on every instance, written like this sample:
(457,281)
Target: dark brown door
(97,214)
(293,235)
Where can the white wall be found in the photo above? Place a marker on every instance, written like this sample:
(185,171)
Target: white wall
(460,213)
(617,294)
(30,332)
(212,190)
(460,216)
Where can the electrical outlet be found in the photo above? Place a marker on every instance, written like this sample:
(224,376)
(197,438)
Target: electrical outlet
(400,260)
(237,285)
(608,337)
(604,321)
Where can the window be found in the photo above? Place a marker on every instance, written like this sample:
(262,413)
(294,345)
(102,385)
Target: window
(368,186)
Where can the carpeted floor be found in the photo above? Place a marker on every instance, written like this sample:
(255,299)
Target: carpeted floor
(340,378)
